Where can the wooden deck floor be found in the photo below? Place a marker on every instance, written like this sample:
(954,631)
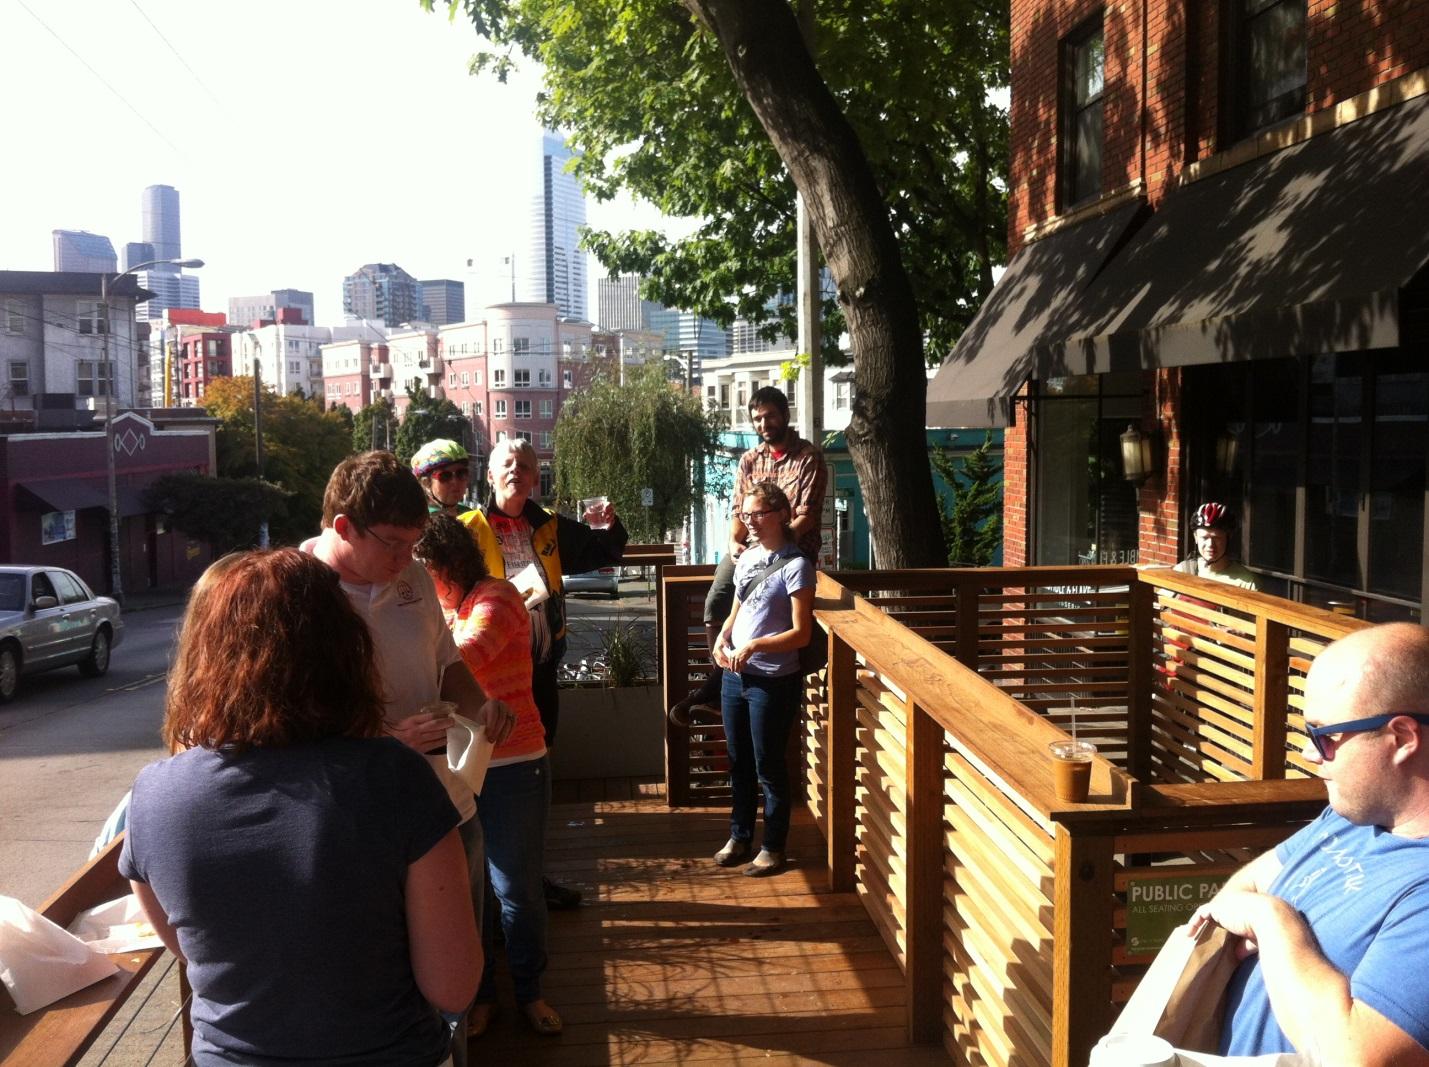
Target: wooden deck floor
(672,960)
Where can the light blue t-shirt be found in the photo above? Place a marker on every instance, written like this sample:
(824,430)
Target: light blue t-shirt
(766,609)
(1365,893)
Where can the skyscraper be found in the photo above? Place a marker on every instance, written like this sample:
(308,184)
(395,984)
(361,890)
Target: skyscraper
(136,252)
(81,250)
(555,267)
(444,301)
(619,305)
(161,223)
(382,291)
(243,310)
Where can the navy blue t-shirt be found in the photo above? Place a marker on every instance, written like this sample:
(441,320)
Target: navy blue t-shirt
(283,873)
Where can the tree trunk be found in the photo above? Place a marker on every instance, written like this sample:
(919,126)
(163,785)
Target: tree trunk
(886,436)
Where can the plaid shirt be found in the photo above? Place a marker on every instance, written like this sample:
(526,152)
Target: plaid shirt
(800,472)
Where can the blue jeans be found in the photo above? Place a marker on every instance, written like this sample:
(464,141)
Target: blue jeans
(514,802)
(758,716)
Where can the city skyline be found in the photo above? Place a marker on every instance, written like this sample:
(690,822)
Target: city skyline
(284,184)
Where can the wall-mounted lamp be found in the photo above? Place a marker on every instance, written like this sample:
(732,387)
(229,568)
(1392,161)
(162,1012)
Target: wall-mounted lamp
(1137,456)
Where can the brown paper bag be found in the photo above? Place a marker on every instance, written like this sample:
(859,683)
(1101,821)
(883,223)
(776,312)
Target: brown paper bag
(1181,998)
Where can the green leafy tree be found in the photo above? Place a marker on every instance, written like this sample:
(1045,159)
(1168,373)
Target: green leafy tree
(426,419)
(971,511)
(718,110)
(301,445)
(374,426)
(224,512)
(615,440)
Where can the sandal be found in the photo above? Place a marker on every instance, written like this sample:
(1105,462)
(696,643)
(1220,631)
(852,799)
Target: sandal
(542,1018)
(478,1020)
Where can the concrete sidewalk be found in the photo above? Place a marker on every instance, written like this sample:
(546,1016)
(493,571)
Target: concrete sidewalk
(159,597)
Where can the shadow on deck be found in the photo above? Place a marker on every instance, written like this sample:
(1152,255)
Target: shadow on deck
(672,960)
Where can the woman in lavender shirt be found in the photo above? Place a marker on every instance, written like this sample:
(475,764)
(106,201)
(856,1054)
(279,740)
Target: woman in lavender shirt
(758,647)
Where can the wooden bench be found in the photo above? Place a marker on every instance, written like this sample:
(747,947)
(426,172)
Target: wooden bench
(63,1032)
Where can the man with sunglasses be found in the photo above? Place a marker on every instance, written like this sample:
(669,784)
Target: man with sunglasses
(443,468)
(797,467)
(1334,921)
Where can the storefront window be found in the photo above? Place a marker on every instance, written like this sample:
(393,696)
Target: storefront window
(1396,506)
(1353,430)
(1086,510)
(1333,471)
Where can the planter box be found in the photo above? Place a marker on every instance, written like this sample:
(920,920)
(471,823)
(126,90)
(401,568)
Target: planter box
(610,733)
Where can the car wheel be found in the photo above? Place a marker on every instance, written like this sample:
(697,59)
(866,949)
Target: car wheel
(98,660)
(9,673)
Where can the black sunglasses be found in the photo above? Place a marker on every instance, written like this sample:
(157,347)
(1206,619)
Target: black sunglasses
(1326,737)
(446,474)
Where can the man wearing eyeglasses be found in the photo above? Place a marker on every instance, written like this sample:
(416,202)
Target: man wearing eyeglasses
(795,466)
(1335,920)
(374,512)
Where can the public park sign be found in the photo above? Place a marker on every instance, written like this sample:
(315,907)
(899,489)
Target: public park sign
(1156,906)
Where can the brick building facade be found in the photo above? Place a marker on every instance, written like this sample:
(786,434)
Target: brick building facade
(1218,237)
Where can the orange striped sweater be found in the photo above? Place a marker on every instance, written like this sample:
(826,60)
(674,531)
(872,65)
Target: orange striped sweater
(493,631)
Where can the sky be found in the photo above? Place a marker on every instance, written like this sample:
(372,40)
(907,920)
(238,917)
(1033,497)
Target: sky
(305,138)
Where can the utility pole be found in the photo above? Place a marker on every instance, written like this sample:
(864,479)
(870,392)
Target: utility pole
(258,437)
(111,408)
(809,293)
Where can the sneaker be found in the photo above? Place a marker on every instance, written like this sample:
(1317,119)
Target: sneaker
(560,897)
(706,696)
(733,854)
(765,863)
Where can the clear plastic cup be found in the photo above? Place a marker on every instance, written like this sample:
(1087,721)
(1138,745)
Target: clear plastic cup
(1072,769)
(597,504)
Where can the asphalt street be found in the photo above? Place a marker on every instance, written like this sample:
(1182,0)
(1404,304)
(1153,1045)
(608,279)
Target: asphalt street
(70,746)
(69,749)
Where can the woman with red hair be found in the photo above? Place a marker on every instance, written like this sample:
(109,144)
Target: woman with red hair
(306,868)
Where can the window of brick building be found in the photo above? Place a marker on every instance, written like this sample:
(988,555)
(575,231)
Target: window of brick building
(523,409)
(521,379)
(1265,80)
(19,379)
(500,409)
(1327,472)
(1083,68)
(498,379)
(547,410)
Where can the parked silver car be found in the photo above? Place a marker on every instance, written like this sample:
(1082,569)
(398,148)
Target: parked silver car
(49,618)
(601,580)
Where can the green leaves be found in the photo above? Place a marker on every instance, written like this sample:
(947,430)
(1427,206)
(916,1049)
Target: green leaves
(615,440)
(301,445)
(649,99)
(971,512)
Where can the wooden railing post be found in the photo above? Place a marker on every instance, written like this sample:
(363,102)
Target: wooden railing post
(923,893)
(841,766)
(1081,945)
(967,624)
(1272,697)
(1140,678)
(674,651)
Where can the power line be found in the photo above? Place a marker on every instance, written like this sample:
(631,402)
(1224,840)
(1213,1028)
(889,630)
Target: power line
(85,63)
(181,59)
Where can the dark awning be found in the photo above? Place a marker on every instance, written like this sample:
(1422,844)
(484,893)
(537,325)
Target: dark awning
(1301,251)
(76,494)
(1031,305)
(62,494)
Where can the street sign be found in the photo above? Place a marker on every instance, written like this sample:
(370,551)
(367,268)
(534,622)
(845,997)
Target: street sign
(647,497)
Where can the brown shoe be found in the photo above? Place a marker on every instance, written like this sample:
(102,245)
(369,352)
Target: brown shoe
(733,854)
(765,864)
(706,695)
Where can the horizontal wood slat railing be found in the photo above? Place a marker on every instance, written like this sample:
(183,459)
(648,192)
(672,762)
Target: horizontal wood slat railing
(925,748)
(59,1035)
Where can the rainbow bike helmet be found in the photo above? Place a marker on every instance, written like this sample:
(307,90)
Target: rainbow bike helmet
(438,453)
(1213,516)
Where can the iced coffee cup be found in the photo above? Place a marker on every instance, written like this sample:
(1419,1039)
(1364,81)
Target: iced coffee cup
(1072,769)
